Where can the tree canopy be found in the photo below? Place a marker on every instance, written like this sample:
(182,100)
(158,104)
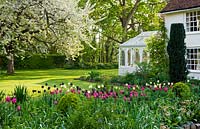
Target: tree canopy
(44,26)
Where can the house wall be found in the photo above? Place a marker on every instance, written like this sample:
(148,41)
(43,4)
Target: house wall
(192,38)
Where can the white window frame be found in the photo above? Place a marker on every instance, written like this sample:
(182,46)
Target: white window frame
(193,58)
(193,21)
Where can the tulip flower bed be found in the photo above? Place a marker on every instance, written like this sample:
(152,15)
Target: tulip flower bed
(129,106)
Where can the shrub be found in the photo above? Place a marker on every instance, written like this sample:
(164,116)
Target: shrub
(68,101)
(116,80)
(182,90)
(21,93)
(94,76)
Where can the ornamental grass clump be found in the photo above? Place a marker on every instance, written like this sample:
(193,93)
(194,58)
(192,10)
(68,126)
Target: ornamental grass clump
(67,102)
(181,90)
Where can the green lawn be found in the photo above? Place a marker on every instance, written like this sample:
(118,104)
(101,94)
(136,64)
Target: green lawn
(34,79)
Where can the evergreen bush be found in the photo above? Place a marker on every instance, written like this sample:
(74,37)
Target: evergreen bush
(176,50)
(182,90)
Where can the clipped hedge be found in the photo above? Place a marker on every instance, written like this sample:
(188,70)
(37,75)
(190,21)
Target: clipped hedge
(53,61)
(90,65)
(36,62)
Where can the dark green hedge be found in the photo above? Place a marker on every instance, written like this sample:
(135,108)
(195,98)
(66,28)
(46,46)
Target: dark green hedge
(36,62)
(90,65)
(53,61)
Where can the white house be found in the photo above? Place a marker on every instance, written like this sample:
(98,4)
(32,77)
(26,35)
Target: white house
(188,13)
(132,52)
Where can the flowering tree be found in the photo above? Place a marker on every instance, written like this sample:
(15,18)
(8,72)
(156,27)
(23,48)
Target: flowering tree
(43,26)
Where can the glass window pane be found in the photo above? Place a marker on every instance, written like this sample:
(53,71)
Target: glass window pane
(187,19)
(195,23)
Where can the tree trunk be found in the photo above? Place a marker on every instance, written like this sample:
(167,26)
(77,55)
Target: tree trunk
(10,68)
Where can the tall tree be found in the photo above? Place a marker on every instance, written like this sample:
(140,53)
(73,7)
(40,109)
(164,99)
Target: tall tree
(176,50)
(120,20)
(43,26)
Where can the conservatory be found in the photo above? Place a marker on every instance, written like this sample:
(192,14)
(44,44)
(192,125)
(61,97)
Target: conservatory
(133,52)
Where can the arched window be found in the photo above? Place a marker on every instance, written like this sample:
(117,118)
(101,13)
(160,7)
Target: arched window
(122,58)
(129,57)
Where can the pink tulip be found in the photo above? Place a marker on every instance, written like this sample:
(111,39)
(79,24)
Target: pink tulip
(88,95)
(142,88)
(142,94)
(136,94)
(8,99)
(51,92)
(124,98)
(121,92)
(131,94)
(14,100)
(165,89)
(56,91)
(18,108)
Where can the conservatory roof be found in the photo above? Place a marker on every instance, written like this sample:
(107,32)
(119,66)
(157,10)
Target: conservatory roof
(139,40)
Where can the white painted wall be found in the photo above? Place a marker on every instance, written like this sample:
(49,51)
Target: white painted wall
(173,18)
(192,38)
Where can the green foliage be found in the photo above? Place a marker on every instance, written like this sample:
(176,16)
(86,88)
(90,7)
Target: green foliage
(2,95)
(176,50)
(83,117)
(143,75)
(182,90)
(154,110)
(21,93)
(115,21)
(156,46)
(94,76)
(68,102)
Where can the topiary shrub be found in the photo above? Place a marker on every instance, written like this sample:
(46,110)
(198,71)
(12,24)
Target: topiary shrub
(181,90)
(177,50)
(68,101)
